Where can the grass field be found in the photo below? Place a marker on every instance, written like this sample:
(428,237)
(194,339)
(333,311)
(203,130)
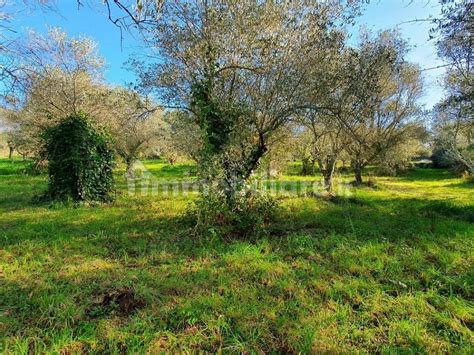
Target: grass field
(389,269)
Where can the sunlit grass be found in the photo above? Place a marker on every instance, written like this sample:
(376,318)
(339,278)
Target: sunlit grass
(388,268)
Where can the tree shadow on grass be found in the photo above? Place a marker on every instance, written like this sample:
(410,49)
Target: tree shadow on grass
(426,175)
(178,286)
(121,229)
(382,218)
(19,192)
(13,167)
(50,224)
(320,253)
(463,185)
(176,172)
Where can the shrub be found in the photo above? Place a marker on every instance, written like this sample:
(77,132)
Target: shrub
(467,177)
(36,166)
(372,181)
(446,159)
(247,216)
(391,168)
(80,161)
(439,158)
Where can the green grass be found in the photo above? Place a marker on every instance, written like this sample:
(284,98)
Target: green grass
(388,269)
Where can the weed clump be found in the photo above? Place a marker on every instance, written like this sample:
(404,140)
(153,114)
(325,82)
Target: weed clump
(248,214)
(122,302)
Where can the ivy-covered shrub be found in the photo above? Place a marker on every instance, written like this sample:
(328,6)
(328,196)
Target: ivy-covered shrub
(80,162)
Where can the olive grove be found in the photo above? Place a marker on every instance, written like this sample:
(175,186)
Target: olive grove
(243,87)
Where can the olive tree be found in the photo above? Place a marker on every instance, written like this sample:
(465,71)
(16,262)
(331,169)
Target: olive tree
(379,100)
(182,137)
(454,31)
(280,152)
(454,115)
(58,77)
(303,150)
(240,69)
(399,158)
(454,137)
(63,76)
(133,125)
(10,66)
(328,141)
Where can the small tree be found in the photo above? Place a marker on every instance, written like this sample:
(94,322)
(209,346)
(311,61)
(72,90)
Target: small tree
(400,157)
(327,143)
(134,127)
(303,150)
(80,161)
(380,99)
(57,76)
(182,137)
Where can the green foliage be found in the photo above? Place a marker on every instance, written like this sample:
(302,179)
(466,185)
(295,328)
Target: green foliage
(80,161)
(307,167)
(222,159)
(469,178)
(439,158)
(247,215)
(447,157)
(217,123)
(214,123)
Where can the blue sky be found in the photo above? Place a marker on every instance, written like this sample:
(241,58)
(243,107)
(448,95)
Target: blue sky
(383,14)
(91,21)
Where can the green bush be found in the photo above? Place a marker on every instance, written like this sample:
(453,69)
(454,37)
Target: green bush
(467,177)
(80,162)
(247,216)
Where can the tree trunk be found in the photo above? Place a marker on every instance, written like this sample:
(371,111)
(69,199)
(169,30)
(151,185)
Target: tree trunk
(358,174)
(328,183)
(328,174)
(129,166)
(235,176)
(327,170)
(269,170)
(308,167)
(10,153)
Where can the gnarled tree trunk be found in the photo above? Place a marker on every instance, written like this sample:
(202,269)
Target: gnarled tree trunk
(327,168)
(235,176)
(357,167)
(307,166)
(11,150)
(129,166)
